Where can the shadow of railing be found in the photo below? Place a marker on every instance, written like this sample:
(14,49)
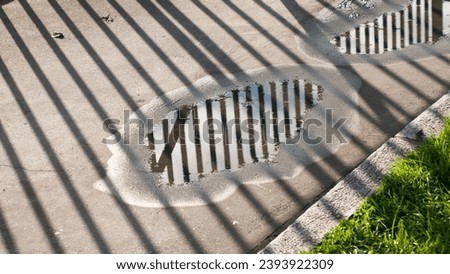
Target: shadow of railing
(376,101)
(4,2)
(70,121)
(379,105)
(7,237)
(46,143)
(36,205)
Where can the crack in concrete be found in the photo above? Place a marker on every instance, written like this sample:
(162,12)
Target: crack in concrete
(32,170)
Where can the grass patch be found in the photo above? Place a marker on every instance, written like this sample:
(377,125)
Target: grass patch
(409,213)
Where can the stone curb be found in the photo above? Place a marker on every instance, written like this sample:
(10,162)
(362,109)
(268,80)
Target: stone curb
(346,196)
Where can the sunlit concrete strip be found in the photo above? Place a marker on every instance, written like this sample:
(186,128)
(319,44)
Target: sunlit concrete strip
(344,198)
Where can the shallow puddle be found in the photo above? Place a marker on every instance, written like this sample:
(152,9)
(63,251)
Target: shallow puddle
(223,134)
(423,21)
(249,128)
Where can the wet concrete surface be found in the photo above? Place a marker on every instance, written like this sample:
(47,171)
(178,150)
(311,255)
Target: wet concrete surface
(57,93)
(146,172)
(420,22)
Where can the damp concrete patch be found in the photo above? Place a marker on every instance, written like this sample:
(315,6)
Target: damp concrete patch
(146,173)
(390,32)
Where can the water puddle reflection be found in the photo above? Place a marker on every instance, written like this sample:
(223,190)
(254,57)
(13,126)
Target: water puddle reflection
(423,21)
(223,134)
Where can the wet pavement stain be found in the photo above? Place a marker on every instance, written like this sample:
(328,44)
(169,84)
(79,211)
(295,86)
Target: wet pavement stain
(243,126)
(423,21)
(250,128)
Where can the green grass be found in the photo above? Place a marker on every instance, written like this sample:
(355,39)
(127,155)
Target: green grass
(409,213)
